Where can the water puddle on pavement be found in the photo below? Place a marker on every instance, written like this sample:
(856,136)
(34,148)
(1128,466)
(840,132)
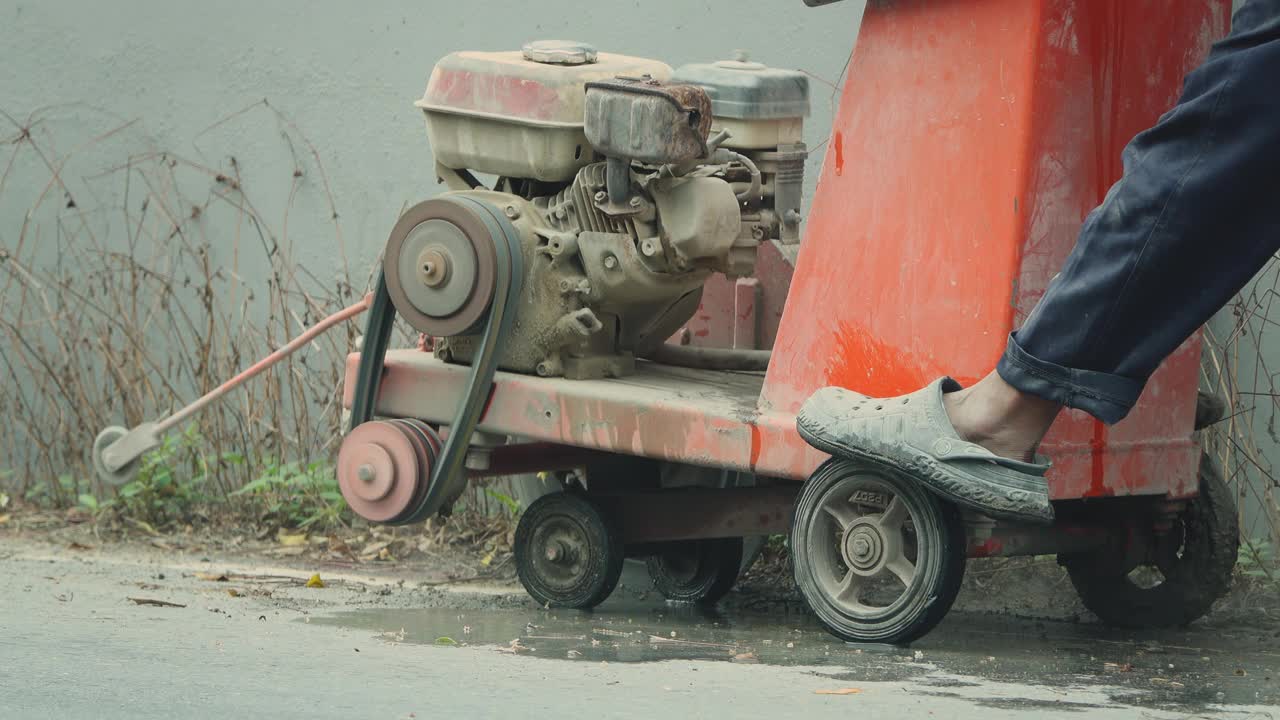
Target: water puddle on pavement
(1069,666)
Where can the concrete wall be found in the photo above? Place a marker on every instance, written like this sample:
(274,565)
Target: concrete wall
(136,109)
(346,73)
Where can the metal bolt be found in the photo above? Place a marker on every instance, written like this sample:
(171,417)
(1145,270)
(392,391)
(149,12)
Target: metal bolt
(366,473)
(435,266)
(610,262)
(477,459)
(861,547)
(512,211)
(557,552)
(635,202)
(602,196)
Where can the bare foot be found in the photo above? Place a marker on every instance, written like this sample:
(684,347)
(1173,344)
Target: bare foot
(1001,418)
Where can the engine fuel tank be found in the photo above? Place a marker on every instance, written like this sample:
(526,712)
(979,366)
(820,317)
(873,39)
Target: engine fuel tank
(520,113)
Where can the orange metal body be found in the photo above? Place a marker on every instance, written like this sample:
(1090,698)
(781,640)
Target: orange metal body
(972,138)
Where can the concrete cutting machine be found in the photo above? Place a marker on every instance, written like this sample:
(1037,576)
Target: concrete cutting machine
(628,304)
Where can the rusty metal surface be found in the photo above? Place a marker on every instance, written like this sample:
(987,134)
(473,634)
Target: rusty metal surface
(669,515)
(644,119)
(699,417)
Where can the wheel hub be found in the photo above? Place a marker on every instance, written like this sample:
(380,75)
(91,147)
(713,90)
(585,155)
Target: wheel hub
(434,266)
(559,552)
(559,549)
(864,547)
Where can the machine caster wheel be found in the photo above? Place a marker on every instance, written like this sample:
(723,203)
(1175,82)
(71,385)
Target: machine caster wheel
(696,571)
(568,552)
(877,557)
(1185,571)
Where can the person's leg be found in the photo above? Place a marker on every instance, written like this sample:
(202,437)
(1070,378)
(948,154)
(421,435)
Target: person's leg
(1195,216)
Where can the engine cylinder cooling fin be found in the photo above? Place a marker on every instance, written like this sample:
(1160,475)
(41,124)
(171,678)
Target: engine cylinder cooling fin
(791,169)
(574,208)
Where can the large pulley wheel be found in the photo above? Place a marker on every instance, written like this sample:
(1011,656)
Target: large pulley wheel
(568,552)
(876,556)
(439,266)
(1183,572)
(696,571)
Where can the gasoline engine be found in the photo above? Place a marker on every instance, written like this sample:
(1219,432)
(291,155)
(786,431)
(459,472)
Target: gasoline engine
(623,184)
(615,188)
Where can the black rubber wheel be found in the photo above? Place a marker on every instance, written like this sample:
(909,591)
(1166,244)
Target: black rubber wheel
(1187,568)
(568,552)
(696,571)
(877,557)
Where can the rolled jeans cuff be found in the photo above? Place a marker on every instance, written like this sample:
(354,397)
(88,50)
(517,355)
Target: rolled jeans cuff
(1103,395)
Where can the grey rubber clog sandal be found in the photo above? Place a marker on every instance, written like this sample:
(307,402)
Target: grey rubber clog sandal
(912,433)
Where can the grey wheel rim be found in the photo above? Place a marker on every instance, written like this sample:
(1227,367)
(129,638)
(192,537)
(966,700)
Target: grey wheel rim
(863,549)
(561,553)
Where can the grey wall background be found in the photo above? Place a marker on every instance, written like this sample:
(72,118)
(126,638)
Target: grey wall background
(112,91)
(347,73)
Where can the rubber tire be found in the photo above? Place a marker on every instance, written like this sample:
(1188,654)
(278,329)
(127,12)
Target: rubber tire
(1211,544)
(605,551)
(936,521)
(719,561)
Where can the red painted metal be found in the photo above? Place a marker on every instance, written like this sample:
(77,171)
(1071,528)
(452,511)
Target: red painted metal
(746,292)
(714,323)
(698,417)
(971,139)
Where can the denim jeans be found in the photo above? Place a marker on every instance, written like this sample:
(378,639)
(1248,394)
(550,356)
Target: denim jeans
(1194,217)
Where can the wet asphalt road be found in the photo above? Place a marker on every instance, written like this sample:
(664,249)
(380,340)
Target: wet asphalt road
(73,646)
